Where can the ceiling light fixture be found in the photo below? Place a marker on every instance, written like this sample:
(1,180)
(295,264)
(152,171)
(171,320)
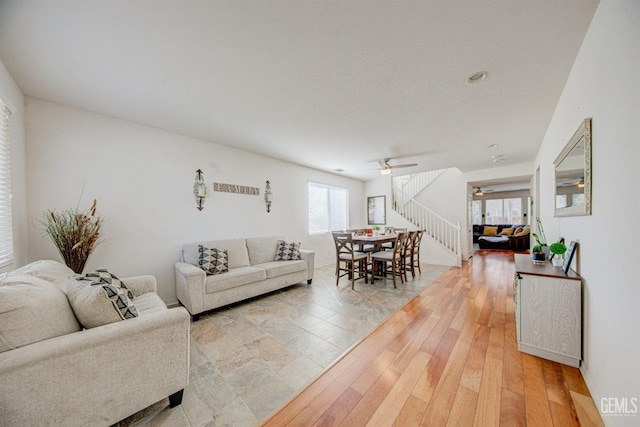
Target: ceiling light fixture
(386,171)
(479,192)
(477,77)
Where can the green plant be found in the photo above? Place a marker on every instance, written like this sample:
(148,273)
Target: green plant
(536,248)
(540,237)
(558,248)
(75,234)
(375,227)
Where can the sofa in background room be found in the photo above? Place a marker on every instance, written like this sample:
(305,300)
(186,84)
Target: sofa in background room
(502,236)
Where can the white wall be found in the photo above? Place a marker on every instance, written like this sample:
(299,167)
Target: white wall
(604,85)
(142,178)
(13,98)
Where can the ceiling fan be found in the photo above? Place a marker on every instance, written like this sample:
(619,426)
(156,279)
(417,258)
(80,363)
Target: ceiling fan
(386,168)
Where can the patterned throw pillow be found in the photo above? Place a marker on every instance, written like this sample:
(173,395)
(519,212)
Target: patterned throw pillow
(103,275)
(96,302)
(287,251)
(212,260)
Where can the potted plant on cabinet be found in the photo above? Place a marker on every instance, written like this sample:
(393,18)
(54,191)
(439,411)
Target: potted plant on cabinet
(557,249)
(537,254)
(541,244)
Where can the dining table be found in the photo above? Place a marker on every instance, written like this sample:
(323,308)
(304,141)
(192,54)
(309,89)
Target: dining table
(376,241)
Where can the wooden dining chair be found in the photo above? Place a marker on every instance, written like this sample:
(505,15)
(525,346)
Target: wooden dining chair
(415,253)
(407,263)
(382,260)
(349,262)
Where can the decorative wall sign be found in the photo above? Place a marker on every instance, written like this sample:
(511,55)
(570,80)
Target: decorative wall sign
(234,188)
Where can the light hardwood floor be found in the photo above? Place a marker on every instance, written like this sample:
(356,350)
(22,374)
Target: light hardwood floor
(448,357)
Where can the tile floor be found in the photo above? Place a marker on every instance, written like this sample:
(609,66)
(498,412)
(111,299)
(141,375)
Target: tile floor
(249,358)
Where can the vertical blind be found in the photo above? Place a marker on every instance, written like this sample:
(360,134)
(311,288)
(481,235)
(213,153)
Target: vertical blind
(6,229)
(328,208)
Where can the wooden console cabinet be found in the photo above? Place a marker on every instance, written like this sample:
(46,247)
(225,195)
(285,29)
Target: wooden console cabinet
(548,311)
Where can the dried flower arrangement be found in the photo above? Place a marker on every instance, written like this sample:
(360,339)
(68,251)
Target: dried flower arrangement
(74,233)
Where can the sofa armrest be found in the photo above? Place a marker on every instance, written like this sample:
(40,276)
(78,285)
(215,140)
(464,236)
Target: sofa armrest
(310,257)
(141,284)
(190,286)
(96,376)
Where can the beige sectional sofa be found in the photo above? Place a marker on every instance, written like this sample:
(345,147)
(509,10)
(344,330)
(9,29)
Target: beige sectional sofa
(252,271)
(55,373)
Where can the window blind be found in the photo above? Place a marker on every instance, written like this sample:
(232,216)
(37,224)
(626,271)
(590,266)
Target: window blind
(328,208)
(6,220)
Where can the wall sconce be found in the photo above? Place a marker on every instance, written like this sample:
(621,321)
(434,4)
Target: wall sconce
(199,190)
(268,196)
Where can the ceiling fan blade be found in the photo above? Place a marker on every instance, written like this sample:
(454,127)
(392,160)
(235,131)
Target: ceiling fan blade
(383,164)
(406,165)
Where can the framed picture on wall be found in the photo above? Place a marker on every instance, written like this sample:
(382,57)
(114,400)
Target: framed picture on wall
(571,251)
(376,210)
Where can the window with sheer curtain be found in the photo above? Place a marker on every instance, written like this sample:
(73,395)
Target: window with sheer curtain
(6,220)
(328,208)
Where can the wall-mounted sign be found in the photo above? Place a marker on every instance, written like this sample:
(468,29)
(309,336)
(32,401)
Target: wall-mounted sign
(233,188)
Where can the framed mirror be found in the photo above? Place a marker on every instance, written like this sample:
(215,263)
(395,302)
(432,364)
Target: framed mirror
(573,174)
(376,210)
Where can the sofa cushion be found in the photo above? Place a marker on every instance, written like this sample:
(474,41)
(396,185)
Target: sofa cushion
(51,271)
(97,303)
(262,249)
(213,260)
(287,251)
(149,303)
(236,251)
(280,268)
(526,230)
(105,276)
(235,277)
(490,231)
(506,231)
(32,310)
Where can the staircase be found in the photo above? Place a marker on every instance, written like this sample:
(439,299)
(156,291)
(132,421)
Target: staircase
(443,231)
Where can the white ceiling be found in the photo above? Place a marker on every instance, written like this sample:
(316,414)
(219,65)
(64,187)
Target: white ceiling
(325,84)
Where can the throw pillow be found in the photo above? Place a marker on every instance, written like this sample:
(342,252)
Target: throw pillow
(287,251)
(103,275)
(490,231)
(212,260)
(32,310)
(96,303)
(506,232)
(524,231)
(518,230)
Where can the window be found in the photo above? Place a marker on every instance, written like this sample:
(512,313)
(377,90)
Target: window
(328,208)
(6,230)
(504,211)
(476,211)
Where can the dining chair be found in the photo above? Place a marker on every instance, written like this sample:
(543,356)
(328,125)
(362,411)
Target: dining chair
(415,253)
(381,261)
(389,246)
(407,263)
(348,260)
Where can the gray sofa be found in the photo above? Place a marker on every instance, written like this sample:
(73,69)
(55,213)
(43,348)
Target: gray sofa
(53,372)
(252,271)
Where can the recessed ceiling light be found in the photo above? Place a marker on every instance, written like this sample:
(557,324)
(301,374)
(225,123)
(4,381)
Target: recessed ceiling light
(494,145)
(339,170)
(477,77)
(497,158)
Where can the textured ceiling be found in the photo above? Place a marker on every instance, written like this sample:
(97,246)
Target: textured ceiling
(325,84)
